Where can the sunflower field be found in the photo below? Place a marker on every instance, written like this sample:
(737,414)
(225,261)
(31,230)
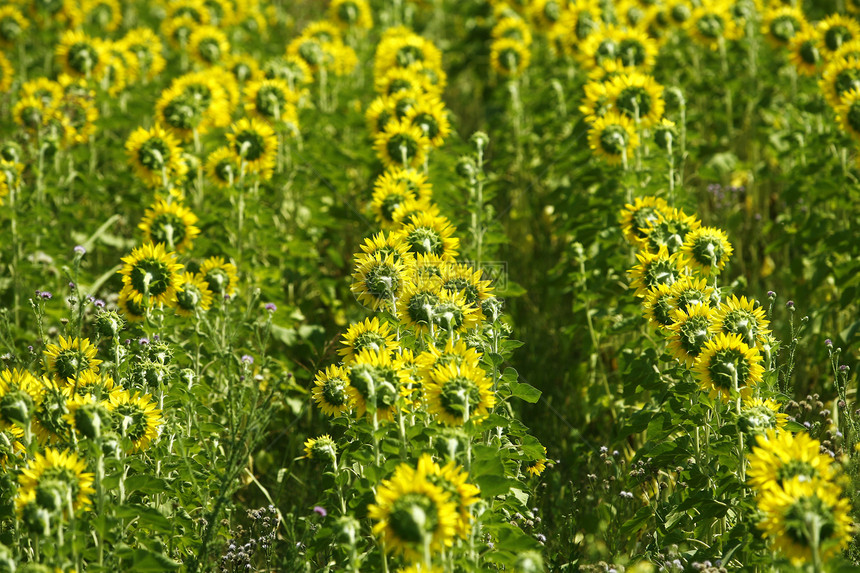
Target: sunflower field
(429,286)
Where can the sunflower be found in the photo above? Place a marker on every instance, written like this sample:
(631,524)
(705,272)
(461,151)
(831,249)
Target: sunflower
(840,76)
(410,208)
(71,358)
(653,269)
(536,467)
(688,291)
(331,391)
(13,24)
(351,14)
(152,274)
(595,102)
(613,137)
(155,155)
(402,50)
(635,218)
(195,295)
(726,365)
(30,113)
(103,15)
(56,481)
(453,481)
(413,514)
(7,73)
(453,352)
(630,47)
(690,331)
(658,307)
(80,55)
(418,303)
(219,275)
(49,418)
(430,234)
(82,115)
(91,382)
(669,231)
(513,29)
(805,516)
(835,31)
(706,249)
(578,20)
(455,394)
(208,94)
(372,334)
(638,97)
(431,116)
(255,144)
(401,144)
(146,47)
(178,30)
(135,417)
(181,112)
(459,278)
(509,57)
(20,395)
(171,224)
(244,68)
(208,45)
(132,310)
(321,448)
(272,101)
(780,456)
(48,92)
(222,167)
(759,415)
(376,383)
(293,69)
(848,112)
(378,280)
(10,446)
(388,194)
(742,317)
(781,23)
(87,415)
(409,79)
(711,24)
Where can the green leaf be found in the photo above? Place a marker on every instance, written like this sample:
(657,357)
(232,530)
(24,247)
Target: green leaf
(493,484)
(145,560)
(145,484)
(635,522)
(147,517)
(525,392)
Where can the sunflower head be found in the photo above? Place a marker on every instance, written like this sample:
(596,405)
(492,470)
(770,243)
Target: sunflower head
(509,57)
(331,391)
(635,218)
(376,384)
(803,514)
(322,448)
(55,481)
(744,317)
(456,394)
(727,366)
(20,394)
(152,274)
(691,330)
(373,334)
(194,296)
(378,280)
(654,269)
(410,512)
(136,418)
(171,224)
(69,359)
(759,415)
(613,137)
(221,277)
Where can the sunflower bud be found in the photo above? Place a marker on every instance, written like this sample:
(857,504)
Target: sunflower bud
(16,407)
(109,324)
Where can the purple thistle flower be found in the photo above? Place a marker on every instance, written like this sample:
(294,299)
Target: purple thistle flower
(271,307)
(320,510)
